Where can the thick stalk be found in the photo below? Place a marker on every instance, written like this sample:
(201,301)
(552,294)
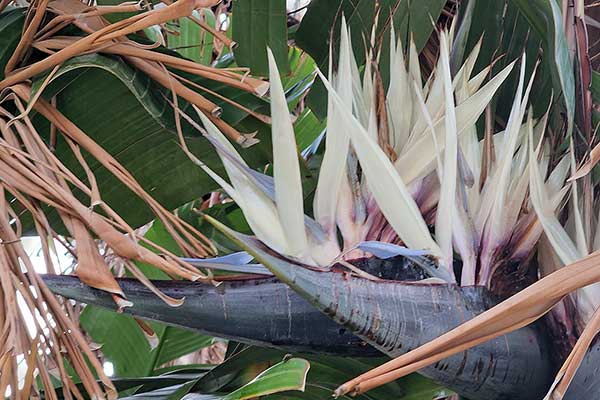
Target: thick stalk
(263,312)
(393,316)
(396,317)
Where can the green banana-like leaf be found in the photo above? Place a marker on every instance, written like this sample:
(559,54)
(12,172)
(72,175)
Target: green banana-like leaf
(326,371)
(125,346)
(323,17)
(241,367)
(410,18)
(258,24)
(175,342)
(545,17)
(11,26)
(307,128)
(283,376)
(122,341)
(130,117)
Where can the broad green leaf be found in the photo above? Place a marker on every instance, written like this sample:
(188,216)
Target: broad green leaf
(323,18)
(237,370)
(307,128)
(175,392)
(546,19)
(286,172)
(242,367)
(157,381)
(284,376)
(325,373)
(128,115)
(121,339)
(258,24)
(183,369)
(11,26)
(175,342)
(124,344)
(300,77)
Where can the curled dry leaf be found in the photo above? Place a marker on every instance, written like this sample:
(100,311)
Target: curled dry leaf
(589,165)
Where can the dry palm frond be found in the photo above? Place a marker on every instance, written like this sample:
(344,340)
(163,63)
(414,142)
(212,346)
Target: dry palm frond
(227,41)
(106,34)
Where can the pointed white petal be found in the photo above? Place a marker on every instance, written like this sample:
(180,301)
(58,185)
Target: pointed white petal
(558,237)
(580,237)
(493,207)
(258,208)
(337,145)
(446,205)
(414,66)
(399,100)
(501,178)
(286,172)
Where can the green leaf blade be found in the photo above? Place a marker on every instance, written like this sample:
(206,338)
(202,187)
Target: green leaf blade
(286,375)
(258,24)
